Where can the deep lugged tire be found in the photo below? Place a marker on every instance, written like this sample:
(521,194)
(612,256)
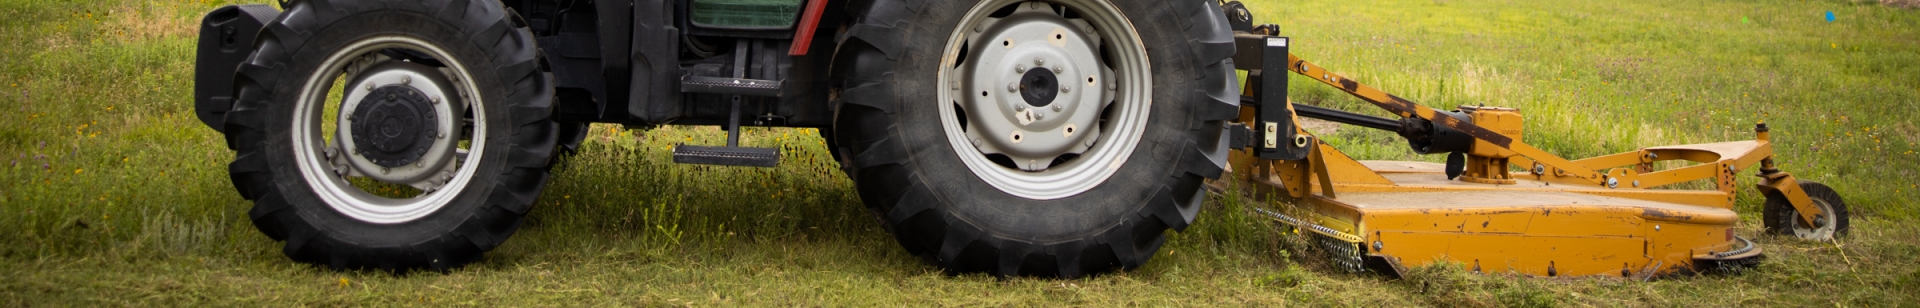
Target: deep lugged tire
(1781,218)
(514,94)
(894,146)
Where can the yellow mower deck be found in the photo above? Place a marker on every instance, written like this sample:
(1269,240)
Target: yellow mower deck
(1512,207)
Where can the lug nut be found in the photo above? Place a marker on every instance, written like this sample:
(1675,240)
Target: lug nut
(1020,68)
(1013,87)
(406,79)
(1057,69)
(1056,107)
(1039,62)
(1065,89)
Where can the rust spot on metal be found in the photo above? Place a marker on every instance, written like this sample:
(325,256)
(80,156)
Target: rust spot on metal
(1399,105)
(1660,214)
(1476,131)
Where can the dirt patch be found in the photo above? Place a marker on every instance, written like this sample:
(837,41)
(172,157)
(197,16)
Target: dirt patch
(149,21)
(1319,127)
(1905,4)
(1907,131)
(1623,68)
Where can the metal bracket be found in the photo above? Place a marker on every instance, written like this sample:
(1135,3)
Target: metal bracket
(1267,94)
(1271,132)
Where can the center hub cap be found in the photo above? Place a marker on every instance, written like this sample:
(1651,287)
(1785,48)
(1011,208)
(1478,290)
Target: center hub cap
(394,125)
(1039,87)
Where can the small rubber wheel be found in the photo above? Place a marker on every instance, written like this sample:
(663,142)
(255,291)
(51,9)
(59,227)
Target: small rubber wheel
(391,134)
(1043,138)
(1781,218)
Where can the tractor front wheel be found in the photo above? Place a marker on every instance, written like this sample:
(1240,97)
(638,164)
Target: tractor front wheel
(402,135)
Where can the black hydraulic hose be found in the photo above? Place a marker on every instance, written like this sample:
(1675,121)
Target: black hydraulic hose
(1338,116)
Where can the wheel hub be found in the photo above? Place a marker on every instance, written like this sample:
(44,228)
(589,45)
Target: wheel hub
(399,124)
(388,110)
(1044,100)
(1051,101)
(1822,227)
(394,126)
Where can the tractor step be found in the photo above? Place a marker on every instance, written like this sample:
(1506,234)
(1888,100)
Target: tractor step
(726,156)
(731,86)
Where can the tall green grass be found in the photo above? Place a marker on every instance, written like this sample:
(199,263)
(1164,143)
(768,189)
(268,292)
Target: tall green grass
(113,194)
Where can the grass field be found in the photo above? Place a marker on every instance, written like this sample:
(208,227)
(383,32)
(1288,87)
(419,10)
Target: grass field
(112,194)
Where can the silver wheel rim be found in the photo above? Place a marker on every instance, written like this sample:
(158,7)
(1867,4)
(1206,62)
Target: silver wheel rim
(326,167)
(1826,229)
(1072,142)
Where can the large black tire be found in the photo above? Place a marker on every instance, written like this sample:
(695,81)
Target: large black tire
(909,174)
(515,93)
(1781,218)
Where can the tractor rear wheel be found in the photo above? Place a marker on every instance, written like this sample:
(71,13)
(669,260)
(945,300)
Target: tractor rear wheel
(402,135)
(1047,138)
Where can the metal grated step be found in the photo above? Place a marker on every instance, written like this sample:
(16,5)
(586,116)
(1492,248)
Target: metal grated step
(726,156)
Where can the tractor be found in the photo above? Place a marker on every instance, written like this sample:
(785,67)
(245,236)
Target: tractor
(1057,138)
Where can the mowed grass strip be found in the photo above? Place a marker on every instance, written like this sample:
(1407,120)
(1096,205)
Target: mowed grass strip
(112,193)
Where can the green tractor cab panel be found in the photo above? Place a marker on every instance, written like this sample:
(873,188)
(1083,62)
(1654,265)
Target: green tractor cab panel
(746,14)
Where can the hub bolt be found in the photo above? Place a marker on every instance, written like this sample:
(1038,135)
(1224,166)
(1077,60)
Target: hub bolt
(1020,68)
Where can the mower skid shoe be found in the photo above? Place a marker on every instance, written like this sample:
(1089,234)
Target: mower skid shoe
(226,38)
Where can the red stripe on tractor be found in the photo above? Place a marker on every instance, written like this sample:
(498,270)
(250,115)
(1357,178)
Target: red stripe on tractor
(803,35)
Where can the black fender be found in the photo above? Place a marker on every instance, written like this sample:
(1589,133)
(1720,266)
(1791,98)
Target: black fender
(226,38)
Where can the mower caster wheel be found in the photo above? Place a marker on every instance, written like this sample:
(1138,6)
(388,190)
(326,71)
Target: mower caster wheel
(1782,219)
